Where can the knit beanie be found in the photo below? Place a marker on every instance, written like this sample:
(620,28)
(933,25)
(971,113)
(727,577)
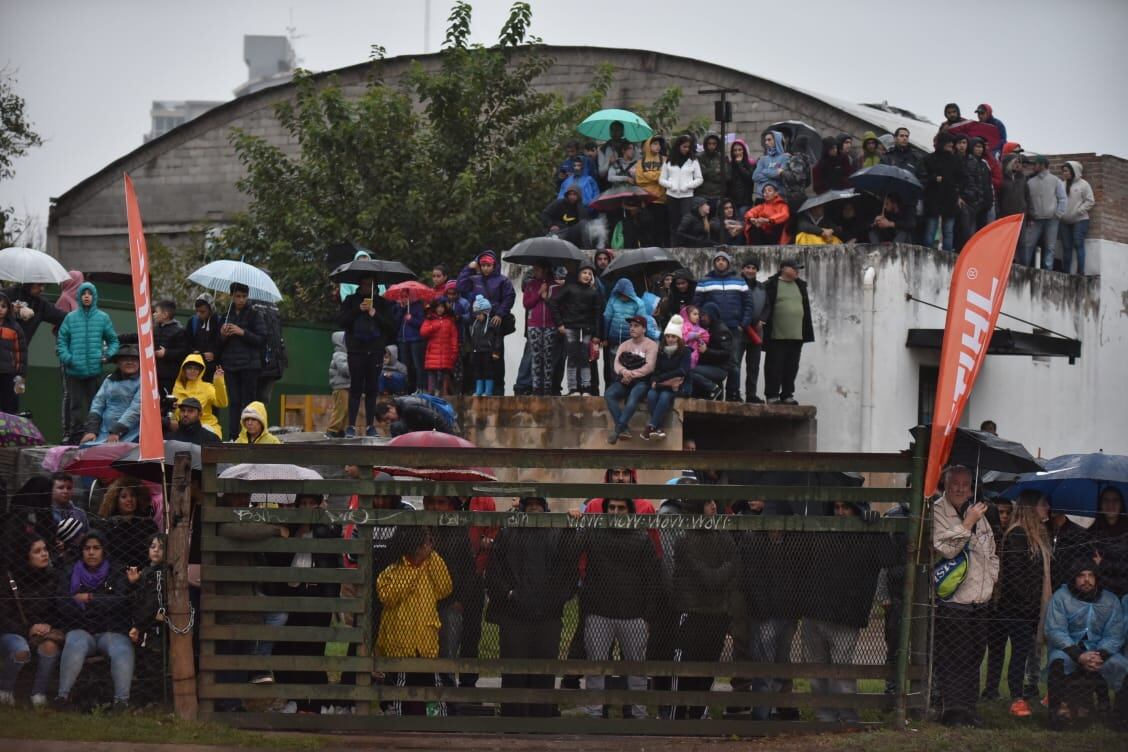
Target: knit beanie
(675,326)
(481,304)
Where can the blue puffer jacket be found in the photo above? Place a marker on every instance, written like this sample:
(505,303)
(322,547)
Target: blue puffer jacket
(730,292)
(116,409)
(82,335)
(1074,626)
(769,168)
(618,310)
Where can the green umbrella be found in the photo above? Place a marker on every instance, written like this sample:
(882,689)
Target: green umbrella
(598,125)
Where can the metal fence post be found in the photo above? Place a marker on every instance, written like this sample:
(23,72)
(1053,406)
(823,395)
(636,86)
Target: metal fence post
(912,552)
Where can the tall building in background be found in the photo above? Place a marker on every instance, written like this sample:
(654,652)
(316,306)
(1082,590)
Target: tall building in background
(270,62)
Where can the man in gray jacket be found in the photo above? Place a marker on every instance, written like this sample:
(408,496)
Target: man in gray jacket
(958,524)
(1044,211)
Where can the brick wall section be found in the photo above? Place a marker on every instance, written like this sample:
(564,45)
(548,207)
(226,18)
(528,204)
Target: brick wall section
(186,178)
(1109,177)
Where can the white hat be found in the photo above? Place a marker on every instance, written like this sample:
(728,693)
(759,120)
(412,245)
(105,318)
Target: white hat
(675,326)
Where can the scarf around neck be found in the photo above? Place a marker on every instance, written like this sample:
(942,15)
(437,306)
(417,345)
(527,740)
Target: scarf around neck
(84,581)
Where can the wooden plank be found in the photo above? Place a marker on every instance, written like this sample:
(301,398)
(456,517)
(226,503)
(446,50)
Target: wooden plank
(278,574)
(568,726)
(494,667)
(285,545)
(327,454)
(556,696)
(549,490)
(674,522)
(255,632)
(288,603)
(286,663)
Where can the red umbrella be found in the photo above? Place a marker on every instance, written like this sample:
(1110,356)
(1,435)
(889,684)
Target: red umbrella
(413,291)
(973,129)
(613,198)
(97,461)
(436,440)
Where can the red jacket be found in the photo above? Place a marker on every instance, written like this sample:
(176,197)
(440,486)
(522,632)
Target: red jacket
(441,333)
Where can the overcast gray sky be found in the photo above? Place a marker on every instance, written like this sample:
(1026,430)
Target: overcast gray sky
(1053,70)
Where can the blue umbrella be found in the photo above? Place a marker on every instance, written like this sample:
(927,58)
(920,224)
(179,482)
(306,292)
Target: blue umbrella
(882,179)
(598,125)
(1073,482)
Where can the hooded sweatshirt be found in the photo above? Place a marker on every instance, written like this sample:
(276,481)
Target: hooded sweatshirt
(648,171)
(496,288)
(1013,194)
(579,306)
(769,168)
(256,410)
(1047,196)
(869,159)
(994,121)
(339,363)
(82,336)
(393,364)
(714,170)
(1079,622)
(211,395)
(831,171)
(621,305)
(1079,199)
(681,179)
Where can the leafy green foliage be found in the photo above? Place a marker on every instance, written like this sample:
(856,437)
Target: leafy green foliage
(17,136)
(455,157)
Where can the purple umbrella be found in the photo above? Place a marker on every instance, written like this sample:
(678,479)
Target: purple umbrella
(16,430)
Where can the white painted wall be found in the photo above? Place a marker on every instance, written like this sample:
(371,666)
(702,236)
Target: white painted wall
(1050,406)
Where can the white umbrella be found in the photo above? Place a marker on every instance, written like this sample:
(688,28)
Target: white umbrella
(28,266)
(258,471)
(220,275)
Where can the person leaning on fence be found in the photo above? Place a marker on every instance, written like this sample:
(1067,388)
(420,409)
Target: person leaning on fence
(1085,634)
(93,605)
(115,413)
(148,595)
(959,527)
(620,582)
(86,340)
(410,589)
(28,619)
(531,575)
(844,573)
(706,568)
(127,521)
(254,424)
(190,384)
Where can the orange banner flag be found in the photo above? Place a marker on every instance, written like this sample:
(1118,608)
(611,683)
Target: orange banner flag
(979,282)
(152,438)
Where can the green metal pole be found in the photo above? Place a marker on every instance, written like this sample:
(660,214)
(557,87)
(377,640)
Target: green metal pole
(912,554)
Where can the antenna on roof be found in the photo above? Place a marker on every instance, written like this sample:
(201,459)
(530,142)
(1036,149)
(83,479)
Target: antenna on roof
(293,35)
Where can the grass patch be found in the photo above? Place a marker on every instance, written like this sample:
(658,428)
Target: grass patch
(142,728)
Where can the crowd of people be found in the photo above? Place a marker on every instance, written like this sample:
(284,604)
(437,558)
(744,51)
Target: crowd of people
(81,585)
(694,195)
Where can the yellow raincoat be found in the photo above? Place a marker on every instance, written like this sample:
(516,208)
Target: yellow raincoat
(210,395)
(256,410)
(409,625)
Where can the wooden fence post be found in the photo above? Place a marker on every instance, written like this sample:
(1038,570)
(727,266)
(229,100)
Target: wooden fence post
(181,617)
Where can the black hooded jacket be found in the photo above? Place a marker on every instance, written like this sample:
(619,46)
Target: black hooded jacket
(943,180)
(579,306)
(621,578)
(531,574)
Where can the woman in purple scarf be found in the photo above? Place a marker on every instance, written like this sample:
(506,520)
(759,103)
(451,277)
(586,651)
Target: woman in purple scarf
(94,607)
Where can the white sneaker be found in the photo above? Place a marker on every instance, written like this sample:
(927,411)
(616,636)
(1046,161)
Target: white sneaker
(7,698)
(289,708)
(38,701)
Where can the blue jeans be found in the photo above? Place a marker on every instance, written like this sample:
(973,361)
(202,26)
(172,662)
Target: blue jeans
(1042,232)
(412,354)
(1072,239)
(10,646)
(632,395)
(273,619)
(80,645)
(524,383)
(947,232)
(659,401)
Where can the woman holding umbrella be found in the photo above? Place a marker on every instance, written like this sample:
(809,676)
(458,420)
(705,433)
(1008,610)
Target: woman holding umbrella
(367,323)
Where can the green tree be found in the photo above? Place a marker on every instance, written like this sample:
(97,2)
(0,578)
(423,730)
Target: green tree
(17,136)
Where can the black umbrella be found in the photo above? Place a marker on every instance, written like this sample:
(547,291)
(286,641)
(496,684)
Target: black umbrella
(982,451)
(151,469)
(342,253)
(385,272)
(882,179)
(648,261)
(828,197)
(535,250)
(791,130)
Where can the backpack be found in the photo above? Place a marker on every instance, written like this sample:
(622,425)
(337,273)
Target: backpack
(274,359)
(426,412)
